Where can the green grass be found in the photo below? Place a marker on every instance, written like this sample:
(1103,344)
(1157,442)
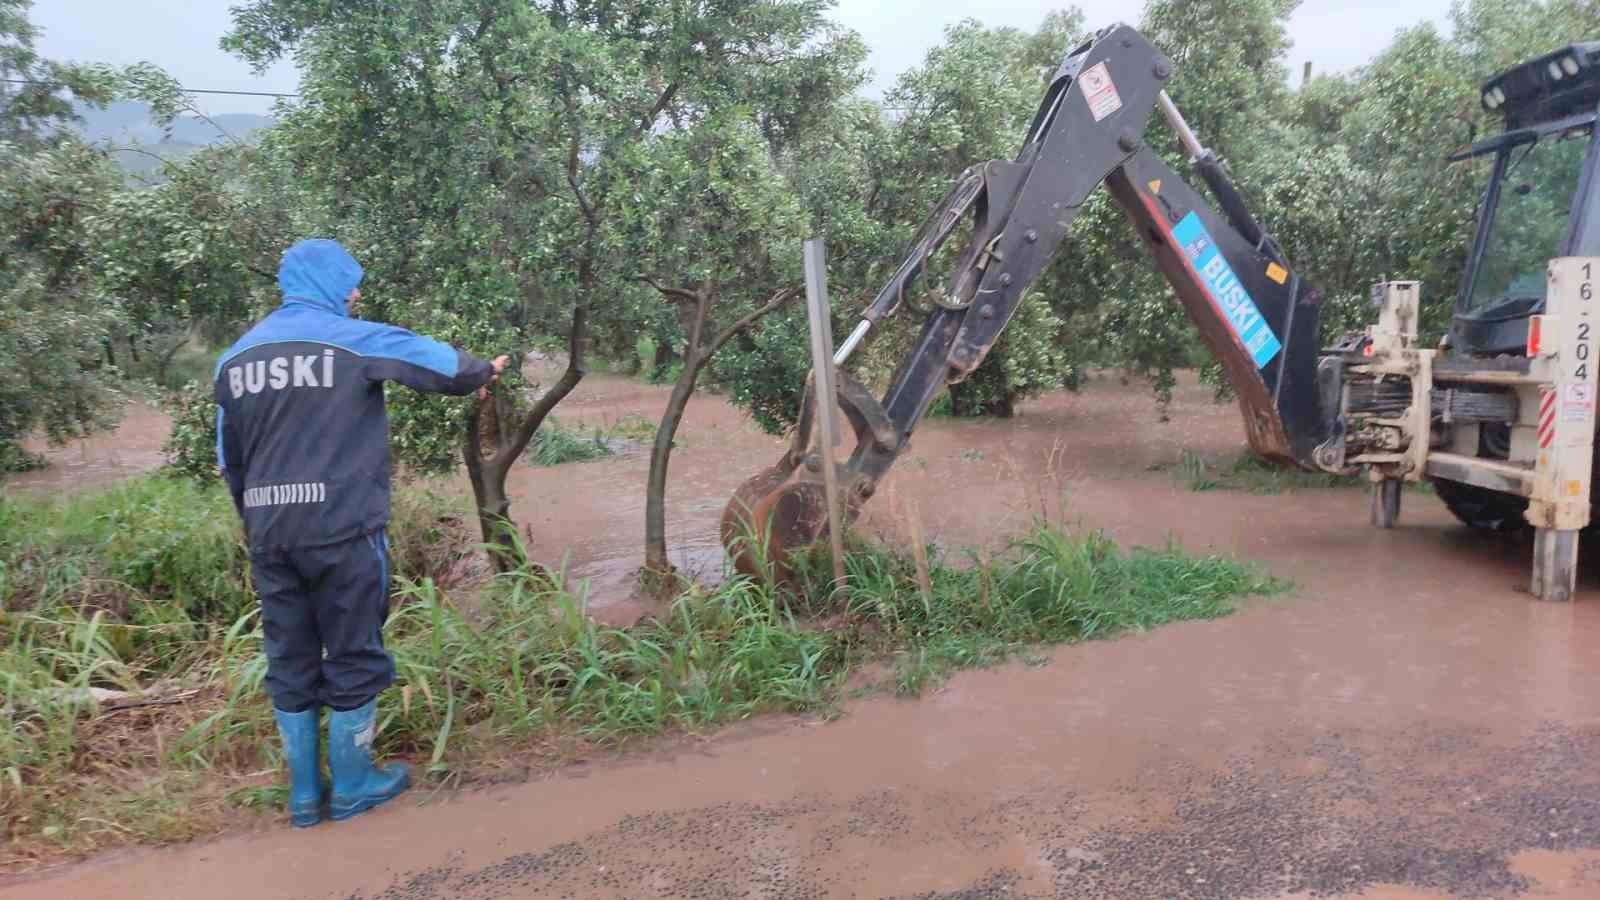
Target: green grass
(633,427)
(553,446)
(1051,587)
(509,666)
(1196,474)
(1249,472)
(142,551)
(15,458)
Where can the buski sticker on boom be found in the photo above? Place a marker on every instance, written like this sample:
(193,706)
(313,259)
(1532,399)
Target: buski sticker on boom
(1226,291)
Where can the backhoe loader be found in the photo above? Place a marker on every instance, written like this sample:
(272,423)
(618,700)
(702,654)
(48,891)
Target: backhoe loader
(1499,415)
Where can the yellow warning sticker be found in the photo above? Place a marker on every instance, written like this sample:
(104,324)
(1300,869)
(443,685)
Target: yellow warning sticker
(1155,186)
(1277,273)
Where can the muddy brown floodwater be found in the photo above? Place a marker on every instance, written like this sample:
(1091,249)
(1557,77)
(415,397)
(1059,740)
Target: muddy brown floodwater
(1407,723)
(101,460)
(969,483)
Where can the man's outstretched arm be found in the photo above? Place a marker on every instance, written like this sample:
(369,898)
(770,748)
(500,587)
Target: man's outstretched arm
(424,364)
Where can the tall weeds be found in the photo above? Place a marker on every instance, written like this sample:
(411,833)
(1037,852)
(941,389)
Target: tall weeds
(154,605)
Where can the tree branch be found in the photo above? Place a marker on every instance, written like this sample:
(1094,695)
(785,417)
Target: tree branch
(569,380)
(573,143)
(702,313)
(483,25)
(661,104)
(671,293)
(778,300)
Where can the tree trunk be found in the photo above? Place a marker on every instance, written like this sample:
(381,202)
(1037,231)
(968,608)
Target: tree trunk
(655,501)
(164,361)
(664,358)
(632,364)
(655,511)
(510,436)
(696,355)
(1005,407)
(494,509)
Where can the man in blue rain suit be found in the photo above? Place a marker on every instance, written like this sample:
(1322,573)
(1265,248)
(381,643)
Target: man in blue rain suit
(303,441)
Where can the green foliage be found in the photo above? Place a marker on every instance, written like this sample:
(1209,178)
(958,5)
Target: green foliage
(971,100)
(1354,181)
(497,165)
(1051,587)
(102,281)
(54,375)
(191,447)
(16,458)
(765,370)
(196,254)
(31,105)
(868,176)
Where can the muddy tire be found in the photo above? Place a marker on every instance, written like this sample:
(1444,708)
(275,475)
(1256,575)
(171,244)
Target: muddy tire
(1482,508)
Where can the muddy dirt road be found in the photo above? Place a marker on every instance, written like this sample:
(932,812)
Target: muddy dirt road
(1406,724)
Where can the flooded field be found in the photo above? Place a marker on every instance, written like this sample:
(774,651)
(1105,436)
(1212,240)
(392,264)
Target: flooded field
(1405,723)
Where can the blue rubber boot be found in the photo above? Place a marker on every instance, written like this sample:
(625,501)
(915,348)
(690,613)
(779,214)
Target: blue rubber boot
(357,784)
(300,734)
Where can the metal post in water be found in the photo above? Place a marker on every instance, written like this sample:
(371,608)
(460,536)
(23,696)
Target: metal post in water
(819,313)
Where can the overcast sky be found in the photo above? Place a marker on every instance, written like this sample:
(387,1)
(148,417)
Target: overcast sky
(181,35)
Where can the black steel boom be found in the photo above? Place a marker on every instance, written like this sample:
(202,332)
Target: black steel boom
(1255,314)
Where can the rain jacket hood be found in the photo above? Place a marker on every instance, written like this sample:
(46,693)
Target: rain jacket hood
(319,273)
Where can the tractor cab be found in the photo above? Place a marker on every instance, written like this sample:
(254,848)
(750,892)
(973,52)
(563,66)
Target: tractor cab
(1542,200)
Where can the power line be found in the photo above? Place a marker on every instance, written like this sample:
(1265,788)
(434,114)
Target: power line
(183,89)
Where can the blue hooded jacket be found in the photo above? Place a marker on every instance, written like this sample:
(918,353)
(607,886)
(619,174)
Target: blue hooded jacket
(302,434)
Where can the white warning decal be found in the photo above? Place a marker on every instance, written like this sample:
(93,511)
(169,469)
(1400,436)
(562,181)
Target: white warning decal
(1579,405)
(1099,90)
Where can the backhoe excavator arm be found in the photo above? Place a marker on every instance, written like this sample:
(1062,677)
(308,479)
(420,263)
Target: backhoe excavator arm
(1256,316)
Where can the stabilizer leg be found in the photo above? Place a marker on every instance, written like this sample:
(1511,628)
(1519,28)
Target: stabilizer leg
(1555,564)
(1386,502)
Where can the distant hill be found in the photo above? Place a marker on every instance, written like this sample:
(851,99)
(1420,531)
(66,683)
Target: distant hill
(129,124)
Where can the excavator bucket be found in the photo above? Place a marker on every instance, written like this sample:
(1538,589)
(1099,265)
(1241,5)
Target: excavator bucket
(784,508)
(763,527)
(758,532)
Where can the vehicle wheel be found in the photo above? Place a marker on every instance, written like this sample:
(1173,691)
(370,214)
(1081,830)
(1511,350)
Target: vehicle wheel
(1482,508)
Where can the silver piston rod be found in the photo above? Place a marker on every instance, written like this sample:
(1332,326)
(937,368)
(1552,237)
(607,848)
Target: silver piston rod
(1186,135)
